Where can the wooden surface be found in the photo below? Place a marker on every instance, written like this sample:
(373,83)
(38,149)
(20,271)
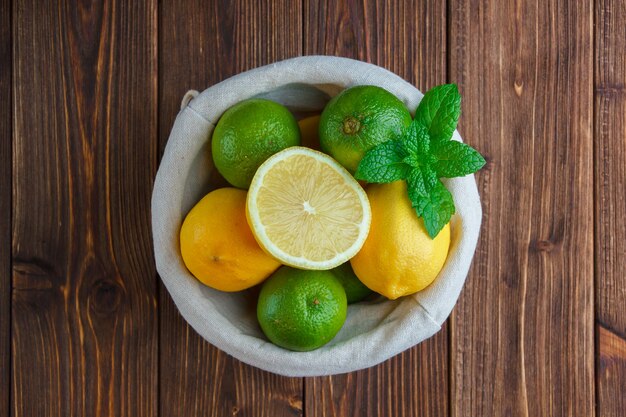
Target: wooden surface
(84,302)
(610,207)
(535,355)
(525,71)
(88,94)
(5,206)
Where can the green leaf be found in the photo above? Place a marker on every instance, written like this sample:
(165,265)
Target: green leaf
(415,185)
(439,111)
(383,164)
(456,159)
(420,182)
(436,207)
(416,139)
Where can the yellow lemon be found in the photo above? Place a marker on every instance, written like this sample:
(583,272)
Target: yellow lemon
(309,132)
(398,257)
(306,210)
(217,245)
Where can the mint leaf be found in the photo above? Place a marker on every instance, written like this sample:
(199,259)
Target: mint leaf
(439,111)
(416,185)
(417,145)
(416,139)
(420,182)
(456,159)
(436,207)
(383,164)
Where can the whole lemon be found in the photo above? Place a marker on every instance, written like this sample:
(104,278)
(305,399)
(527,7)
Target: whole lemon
(217,245)
(398,257)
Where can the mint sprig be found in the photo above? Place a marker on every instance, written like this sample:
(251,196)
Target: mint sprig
(423,155)
(386,163)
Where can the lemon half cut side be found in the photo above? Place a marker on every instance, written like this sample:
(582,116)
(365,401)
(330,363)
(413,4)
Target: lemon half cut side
(306,210)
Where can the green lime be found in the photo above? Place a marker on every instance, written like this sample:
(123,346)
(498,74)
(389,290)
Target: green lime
(358,119)
(247,134)
(301,310)
(355,289)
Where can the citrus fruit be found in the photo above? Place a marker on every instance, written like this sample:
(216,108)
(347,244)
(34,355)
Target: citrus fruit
(301,310)
(217,245)
(358,119)
(398,257)
(355,289)
(309,127)
(306,210)
(247,134)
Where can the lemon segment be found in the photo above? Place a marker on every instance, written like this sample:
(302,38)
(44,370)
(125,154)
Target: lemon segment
(306,210)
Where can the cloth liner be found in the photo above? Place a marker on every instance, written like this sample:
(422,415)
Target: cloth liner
(374,331)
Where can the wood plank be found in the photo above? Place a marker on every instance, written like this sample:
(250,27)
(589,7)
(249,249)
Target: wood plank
(522,333)
(409,40)
(205,43)
(610,206)
(6,135)
(84,311)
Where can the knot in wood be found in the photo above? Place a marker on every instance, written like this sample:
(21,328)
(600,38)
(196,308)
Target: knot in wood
(105,297)
(542,246)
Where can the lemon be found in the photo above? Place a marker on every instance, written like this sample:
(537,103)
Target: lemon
(309,127)
(217,245)
(398,257)
(358,119)
(301,310)
(247,134)
(306,210)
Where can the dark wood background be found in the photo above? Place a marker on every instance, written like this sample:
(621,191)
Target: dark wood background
(88,94)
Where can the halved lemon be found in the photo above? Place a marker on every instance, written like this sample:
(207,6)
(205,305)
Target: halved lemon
(306,210)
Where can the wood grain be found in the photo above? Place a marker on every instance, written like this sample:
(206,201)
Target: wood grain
(6,133)
(205,43)
(86,108)
(413,383)
(84,339)
(610,205)
(522,333)
(409,40)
